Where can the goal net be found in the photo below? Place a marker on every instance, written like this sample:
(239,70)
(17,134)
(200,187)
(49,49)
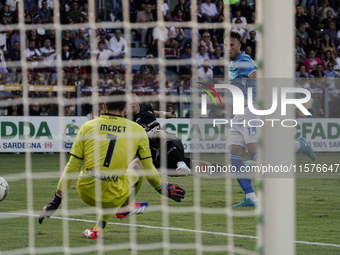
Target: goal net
(61,84)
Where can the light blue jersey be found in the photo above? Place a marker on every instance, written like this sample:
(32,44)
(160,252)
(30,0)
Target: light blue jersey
(239,70)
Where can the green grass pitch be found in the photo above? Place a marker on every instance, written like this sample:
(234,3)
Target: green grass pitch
(317,212)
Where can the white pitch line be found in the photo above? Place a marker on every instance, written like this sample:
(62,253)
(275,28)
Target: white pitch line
(175,229)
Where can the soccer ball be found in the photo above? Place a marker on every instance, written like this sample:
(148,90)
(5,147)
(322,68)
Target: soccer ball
(4,189)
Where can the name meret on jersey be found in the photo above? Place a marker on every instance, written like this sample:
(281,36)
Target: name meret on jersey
(112,128)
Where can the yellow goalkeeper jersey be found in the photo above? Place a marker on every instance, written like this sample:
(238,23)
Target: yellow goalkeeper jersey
(108,144)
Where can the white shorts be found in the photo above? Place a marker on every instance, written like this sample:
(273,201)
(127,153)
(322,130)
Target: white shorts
(242,134)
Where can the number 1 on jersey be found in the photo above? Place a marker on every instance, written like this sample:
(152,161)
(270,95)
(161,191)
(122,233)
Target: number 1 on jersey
(110,149)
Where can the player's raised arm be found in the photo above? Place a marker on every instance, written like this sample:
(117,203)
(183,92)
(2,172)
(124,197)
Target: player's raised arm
(162,114)
(71,167)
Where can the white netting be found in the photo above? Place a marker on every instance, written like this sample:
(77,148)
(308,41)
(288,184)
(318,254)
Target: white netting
(196,224)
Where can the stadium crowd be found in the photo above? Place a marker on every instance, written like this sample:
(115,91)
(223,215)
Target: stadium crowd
(317,46)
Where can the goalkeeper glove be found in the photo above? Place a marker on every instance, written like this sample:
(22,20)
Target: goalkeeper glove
(49,209)
(173,191)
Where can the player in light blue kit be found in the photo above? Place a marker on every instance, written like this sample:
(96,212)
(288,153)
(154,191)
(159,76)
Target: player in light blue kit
(242,137)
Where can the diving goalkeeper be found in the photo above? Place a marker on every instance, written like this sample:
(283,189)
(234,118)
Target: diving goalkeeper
(104,145)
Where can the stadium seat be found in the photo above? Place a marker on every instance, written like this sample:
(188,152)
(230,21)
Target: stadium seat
(169,53)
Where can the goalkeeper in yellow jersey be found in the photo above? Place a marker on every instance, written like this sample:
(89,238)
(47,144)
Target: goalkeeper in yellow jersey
(107,145)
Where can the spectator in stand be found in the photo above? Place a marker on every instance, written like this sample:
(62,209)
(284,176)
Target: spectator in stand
(311,62)
(329,58)
(34,109)
(74,13)
(302,32)
(310,46)
(217,54)
(201,56)
(329,72)
(209,11)
(144,16)
(171,109)
(198,14)
(33,37)
(5,11)
(14,110)
(74,32)
(208,45)
(244,8)
(301,70)
(6,20)
(82,52)
(327,45)
(331,32)
(67,40)
(145,81)
(179,16)
(51,37)
(102,37)
(249,52)
(177,33)
(148,66)
(65,55)
(238,16)
(14,55)
(186,69)
(322,11)
(30,6)
(300,54)
(82,39)
(218,70)
(189,31)
(251,42)
(313,25)
(102,56)
(33,55)
(329,18)
(241,31)
(298,3)
(12,4)
(48,54)
(180,6)
(162,34)
(85,13)
(317,73)
(49,4)
(118,44)
(252,17)
(220,10)
(75,78)
(44,13)
(8,44)
(320,113)
(299,16)
(15,37)
(337,66)
(3,67)
(15,16)
(205,71)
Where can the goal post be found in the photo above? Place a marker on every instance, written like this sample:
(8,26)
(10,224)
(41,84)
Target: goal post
(277,224)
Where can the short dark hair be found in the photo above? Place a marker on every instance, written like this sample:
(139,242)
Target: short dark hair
(235,35)
(117,105)
(101,42)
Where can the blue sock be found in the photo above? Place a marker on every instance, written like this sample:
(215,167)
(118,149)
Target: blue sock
(237,161)
(254,156)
